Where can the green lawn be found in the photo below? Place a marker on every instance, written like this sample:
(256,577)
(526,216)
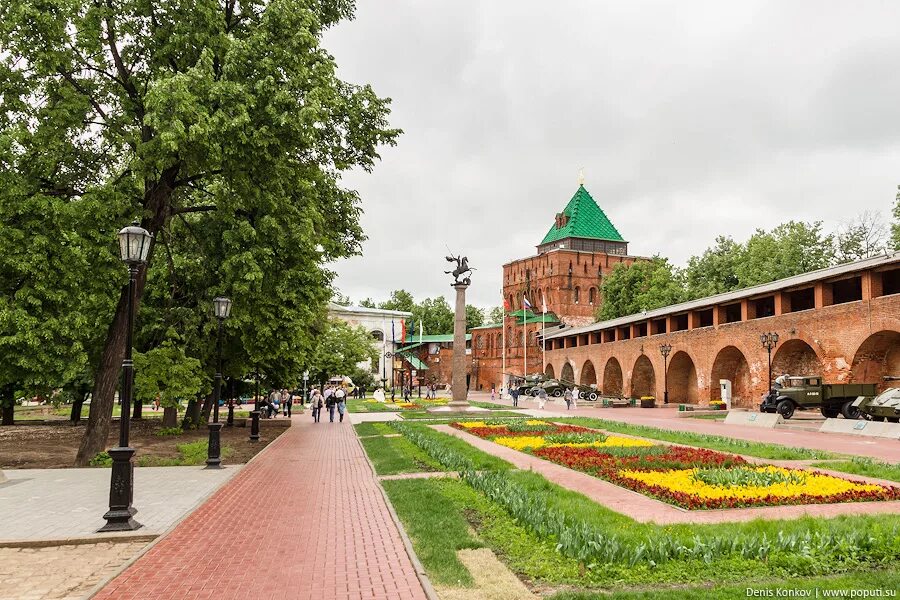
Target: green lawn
(864,466)
(421,414)
(191,453)
(397,455)
(817,587)
(712,442)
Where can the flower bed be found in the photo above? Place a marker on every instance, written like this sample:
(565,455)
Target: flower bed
(693,478)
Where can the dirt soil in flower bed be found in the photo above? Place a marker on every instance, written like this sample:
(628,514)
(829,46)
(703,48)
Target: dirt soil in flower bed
(692,478)
(54,446)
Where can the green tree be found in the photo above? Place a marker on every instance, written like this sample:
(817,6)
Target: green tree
(167,372)
(641,286)
(474,316)
(400,300)
(339,349)
(203,108)
(435,315)
(368,303)
(862,236)
(895,226)
(790,249)
(496,315)
(714,271)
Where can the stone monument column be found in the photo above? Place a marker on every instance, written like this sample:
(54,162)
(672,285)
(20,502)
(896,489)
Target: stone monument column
(458,383)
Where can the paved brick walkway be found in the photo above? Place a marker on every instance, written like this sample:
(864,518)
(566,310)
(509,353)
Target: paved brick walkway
(321,530)
(645,509)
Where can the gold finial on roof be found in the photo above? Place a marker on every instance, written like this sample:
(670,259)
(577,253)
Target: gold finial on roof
(581,176)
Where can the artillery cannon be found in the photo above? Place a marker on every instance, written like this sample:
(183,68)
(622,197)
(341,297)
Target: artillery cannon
(884,406)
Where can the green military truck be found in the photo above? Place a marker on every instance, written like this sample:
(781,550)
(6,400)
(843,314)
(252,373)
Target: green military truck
(803,393)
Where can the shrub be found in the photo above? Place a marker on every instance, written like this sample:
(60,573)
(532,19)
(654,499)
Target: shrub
(166,431)
(102,459)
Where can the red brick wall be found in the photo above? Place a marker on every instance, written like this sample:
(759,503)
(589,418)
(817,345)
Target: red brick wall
(549,274)
(853,342)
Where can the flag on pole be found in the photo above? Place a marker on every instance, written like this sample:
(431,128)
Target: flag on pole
(525,303)
(393,335)
(403,330)
(421,330)
(543,303)
(506,305)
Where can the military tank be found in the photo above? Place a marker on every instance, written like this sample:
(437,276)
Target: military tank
(883,407)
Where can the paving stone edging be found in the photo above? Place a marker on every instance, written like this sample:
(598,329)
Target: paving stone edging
(237,468)
(407,543)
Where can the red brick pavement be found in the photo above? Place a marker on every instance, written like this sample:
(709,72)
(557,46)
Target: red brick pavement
(304,520)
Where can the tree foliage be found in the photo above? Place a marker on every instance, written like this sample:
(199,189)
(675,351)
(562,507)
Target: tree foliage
(474,317)
(224,129)
(166,371)
(863,236)
(338,349)
(895,226)
(496,315)
(641,286)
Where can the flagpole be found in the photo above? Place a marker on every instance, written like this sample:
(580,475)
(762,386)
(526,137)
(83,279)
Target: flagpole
(503,349)
(543,332)
(524,337)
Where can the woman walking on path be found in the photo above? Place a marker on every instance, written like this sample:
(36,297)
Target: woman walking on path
(316,402)
(493,394)
(330,404)
(542,398)
(568,398)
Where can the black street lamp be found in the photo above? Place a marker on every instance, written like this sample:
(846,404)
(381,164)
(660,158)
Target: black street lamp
(769,341)
(305,379)
(221,310)
(134,246)
(254,414)
(665,349)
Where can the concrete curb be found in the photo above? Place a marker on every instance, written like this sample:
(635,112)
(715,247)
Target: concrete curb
(79,541)
(104,582)
(430,593)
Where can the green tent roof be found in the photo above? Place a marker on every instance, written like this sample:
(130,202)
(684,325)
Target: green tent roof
(413,360)
(426,339)
(586,220)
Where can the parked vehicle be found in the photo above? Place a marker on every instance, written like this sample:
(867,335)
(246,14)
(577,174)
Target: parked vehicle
(883,407)
(806,392)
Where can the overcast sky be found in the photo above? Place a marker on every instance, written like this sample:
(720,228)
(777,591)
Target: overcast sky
(691,120)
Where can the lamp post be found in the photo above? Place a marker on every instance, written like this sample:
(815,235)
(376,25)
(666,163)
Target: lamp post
(769,341)
(221,310)
(134,247)
(305,379)
(254,414)
(665,349)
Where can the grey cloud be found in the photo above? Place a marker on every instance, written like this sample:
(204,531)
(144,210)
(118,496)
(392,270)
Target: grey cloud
(691,120)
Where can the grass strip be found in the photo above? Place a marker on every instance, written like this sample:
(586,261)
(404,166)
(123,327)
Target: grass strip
(421,414)
(434,443)
(864,466)
(437,529)
(712,442)
(871,581)
(373,428)
(392,456)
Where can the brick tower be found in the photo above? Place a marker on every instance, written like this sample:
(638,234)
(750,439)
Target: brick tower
(580,248)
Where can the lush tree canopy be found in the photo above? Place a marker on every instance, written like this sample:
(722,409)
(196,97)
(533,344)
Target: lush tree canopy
(496,315)
(644,285)
(895,227)
(338,349)
(224,129)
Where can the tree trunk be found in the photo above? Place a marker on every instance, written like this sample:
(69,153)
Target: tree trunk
(190,415)
(138,406)
(105,381)
(9,408)
(156,202)
(170,417)
(207,408)
(75,415)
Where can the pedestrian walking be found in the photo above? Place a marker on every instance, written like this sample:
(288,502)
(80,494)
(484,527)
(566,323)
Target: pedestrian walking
(316,402)
(274,400)
(568,398)
(286,402)
(340,397)
(493,394)
(330,404)
(407,392)
(542,398)
(514,392)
